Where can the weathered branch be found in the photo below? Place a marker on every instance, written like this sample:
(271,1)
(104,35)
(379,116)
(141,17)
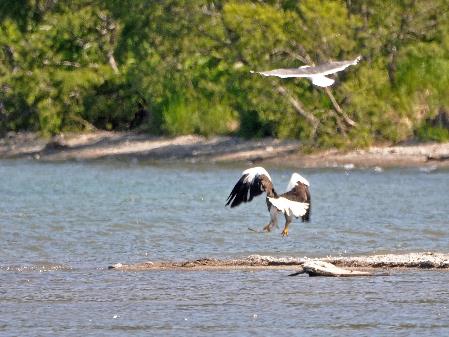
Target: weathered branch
(83,122)
(340,124)
(61,63)
(112,62)
(338,109)
(109,31)
(297,105)
(8,51)
(303,53)
(290,53)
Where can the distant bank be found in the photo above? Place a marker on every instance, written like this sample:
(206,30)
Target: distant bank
(288,153)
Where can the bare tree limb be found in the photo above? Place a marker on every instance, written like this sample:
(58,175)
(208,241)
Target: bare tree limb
(112,62)
(290,53)
(109,31)
(340,125)
(88,126)
(297,105)
(338,109)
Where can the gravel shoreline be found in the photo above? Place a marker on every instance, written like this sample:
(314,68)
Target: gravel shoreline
(197,149)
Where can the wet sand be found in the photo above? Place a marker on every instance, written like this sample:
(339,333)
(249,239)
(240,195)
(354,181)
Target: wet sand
(197,149)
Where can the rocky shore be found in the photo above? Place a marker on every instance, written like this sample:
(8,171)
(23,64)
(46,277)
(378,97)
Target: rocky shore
(197,149)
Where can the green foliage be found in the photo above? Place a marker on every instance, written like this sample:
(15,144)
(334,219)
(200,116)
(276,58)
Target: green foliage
(432,133)
(180,117)
(73,65)
(110,105)
(183,117)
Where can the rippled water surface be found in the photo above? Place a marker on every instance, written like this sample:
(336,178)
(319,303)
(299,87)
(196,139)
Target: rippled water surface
(61,225)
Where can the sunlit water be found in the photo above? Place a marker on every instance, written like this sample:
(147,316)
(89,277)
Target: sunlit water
(61,225)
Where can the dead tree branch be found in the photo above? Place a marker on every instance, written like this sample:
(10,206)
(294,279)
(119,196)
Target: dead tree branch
(297,105)
(338,109)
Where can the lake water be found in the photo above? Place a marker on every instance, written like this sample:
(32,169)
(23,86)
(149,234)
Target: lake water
(62,224)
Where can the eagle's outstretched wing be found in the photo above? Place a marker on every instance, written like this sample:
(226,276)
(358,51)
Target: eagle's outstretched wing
(315,73)
(296,200)
(253,182)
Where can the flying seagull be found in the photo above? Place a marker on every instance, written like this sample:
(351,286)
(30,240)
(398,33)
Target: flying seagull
(295,202)
(317,74)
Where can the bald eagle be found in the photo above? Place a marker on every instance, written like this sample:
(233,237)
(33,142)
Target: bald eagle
(295,202)
(317,74)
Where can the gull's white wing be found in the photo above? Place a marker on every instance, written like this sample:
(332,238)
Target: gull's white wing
(315,73)
(333,67)
(285,72)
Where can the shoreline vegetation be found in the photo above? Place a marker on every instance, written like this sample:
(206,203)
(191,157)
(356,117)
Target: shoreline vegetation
(218,149)
(172,68)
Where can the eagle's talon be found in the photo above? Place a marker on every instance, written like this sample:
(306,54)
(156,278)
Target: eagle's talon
(267,228)
(285,232)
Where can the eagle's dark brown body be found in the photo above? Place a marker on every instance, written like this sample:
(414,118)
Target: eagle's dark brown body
(293,203)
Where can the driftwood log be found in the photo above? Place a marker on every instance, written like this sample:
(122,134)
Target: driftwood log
(442,157)
(321,268)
